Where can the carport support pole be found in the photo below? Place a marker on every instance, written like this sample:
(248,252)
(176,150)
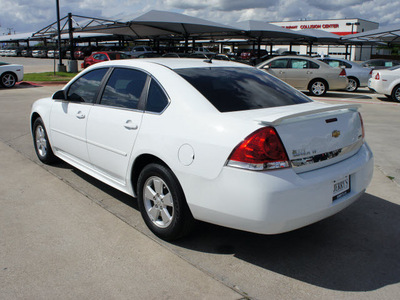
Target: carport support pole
(61,67)
(72,63)
(186,43)
(259,48)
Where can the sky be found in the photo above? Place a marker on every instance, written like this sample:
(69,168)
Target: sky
(21,16)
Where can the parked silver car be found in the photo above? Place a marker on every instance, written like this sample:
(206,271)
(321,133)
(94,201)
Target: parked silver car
(306,73)
(356,74)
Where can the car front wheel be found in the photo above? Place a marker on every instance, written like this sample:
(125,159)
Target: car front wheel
(318,88)
(396,93)
(8,80)
(162,203)
(41,143)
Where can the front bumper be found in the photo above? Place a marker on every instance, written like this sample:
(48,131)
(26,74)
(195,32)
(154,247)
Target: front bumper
(276,201)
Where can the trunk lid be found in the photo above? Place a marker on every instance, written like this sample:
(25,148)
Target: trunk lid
(316,135)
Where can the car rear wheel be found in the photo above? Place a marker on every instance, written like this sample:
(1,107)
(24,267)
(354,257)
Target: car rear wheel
(352,85)
(396,93)
(162,203)
(42,144)
(318,87)
(8,80)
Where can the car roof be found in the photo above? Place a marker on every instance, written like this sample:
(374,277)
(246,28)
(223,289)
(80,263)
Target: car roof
(176,63)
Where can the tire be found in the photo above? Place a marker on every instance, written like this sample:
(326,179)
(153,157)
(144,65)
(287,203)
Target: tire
(318,87)
(396,93)
(8,80)
(162,203)
(41,143)
(353,84)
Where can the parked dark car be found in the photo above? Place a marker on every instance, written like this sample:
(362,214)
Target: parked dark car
(27,52)
(82,52)
(380,63)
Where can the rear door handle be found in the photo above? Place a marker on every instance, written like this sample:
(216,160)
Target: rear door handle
(80,115)
(129,125)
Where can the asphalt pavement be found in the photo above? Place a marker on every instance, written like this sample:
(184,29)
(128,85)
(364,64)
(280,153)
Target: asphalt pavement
(64,234)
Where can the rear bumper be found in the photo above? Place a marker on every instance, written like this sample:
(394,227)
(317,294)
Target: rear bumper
(276,201)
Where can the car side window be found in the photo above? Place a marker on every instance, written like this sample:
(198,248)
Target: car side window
(85,88)
(346,65)
(299,64)
(279,64)
(313,65)
(333,63)
(156,99)
(124,88)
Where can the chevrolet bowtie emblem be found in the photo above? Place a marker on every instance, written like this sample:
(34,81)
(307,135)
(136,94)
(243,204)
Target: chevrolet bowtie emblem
(335,133)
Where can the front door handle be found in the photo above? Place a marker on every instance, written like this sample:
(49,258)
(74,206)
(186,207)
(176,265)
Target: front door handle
(129,125)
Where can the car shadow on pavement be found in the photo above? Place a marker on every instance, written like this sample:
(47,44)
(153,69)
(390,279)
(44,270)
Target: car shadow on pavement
(355,250)
(386,99)
(341,95)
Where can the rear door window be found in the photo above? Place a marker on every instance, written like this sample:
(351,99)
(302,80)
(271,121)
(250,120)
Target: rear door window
(124,88)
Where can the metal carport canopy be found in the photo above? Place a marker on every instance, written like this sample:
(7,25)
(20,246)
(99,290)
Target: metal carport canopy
(16,37)
(265,31)
(157,23)
(388,34)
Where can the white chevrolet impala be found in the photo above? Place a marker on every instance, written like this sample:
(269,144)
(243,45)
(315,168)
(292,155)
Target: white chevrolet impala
(206,140)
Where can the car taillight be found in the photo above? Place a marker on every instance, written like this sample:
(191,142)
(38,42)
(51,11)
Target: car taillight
(370,72)
(342,73)
(362,126)
(377,76)
(261,150)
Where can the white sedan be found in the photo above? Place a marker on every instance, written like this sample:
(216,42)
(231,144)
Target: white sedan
(215,141)
(10,74)
(387,82)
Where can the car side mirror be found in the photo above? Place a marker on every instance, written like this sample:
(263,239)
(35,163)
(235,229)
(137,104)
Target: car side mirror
(59,95)
(266,67)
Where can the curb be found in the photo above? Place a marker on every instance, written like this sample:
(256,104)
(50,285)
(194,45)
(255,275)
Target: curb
(42,83)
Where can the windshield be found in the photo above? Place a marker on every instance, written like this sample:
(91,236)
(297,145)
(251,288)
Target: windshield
(235,89)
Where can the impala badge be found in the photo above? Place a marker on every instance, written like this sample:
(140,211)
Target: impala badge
(335,133)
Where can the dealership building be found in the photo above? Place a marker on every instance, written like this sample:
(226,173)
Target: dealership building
(340,27)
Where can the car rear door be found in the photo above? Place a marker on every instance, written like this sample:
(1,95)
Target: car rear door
(68,118)
(299,73)
(114,123)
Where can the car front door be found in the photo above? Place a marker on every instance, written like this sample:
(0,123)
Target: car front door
(68,117)
(277,68)
(114,123)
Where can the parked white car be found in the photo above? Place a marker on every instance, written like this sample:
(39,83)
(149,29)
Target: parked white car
(218,141)
(139,50)
(10,74)
(387,82)
(305,73)
(356,74)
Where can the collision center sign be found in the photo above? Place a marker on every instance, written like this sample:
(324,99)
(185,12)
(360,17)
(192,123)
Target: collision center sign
(312,26)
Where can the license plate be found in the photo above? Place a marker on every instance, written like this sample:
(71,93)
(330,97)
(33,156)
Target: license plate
(341,187)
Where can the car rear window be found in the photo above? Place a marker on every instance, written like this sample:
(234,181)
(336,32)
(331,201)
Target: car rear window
(236,89)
